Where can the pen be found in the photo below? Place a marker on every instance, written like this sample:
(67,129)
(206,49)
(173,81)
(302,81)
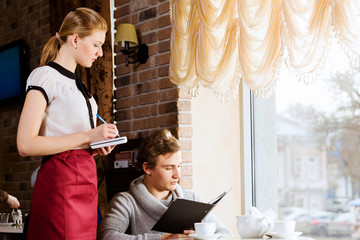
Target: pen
(101,119)
(104,122)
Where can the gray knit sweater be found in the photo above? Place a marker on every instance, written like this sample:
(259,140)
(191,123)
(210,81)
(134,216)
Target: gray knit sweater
(131,215)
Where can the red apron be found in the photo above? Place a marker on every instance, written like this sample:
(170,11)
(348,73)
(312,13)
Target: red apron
(64,199)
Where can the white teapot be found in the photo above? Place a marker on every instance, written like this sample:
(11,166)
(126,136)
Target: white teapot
(250,226)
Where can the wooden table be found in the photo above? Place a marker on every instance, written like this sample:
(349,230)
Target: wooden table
(8,232)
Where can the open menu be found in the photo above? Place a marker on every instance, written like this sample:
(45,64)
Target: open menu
(183,213)
(108,142)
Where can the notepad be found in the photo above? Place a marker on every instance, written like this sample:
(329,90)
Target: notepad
(183,213)
(108,142)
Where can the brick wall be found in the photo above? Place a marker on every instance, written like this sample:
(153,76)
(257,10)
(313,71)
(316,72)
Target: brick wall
(145,98)
(28,20)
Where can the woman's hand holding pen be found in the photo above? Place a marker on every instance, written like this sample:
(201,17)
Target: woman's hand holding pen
(103,132)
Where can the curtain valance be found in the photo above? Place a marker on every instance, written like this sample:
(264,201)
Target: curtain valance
(217,43)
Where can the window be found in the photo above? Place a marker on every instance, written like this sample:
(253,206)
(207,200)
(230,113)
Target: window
(305,148)
(318,139)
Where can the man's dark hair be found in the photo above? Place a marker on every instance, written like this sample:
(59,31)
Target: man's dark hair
(159,142)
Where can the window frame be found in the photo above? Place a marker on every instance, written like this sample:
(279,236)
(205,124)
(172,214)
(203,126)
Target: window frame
(260,188)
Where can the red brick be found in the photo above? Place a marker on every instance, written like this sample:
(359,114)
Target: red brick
(117,49)
(168,120)
(147,26)
(126,102)
(124,19)
(124,126)
(145,87)
(35,16)
(125,114)
(153,49)
(163,71)
(121,2)
(163,8)
(121,70)
(20,167)
(122,92)
(164,21)
(168,94)
(165,83)
(140,67)
(146,14)
(163,59)
(145,123)
(154,85)
(141,88)
(164,46)
(145,111)
(119,61)
(147,75)
(134,78)
(122,11)
(139,4)
(135,18)
(148,98)
(153,2)
(169,107)
(122,81)
(45,11)
(164,33)
(148,38)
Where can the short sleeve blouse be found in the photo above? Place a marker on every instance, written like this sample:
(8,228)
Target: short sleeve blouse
(66,111)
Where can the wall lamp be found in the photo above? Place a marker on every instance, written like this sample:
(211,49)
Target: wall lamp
(126,34)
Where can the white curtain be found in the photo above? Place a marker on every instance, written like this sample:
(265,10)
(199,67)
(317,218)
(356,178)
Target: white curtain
(218,43)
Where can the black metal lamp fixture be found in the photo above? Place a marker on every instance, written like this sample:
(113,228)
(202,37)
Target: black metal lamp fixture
(126,34)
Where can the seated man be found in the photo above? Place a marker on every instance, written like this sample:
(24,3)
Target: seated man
(132,214)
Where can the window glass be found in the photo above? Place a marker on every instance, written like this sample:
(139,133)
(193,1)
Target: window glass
(318,149)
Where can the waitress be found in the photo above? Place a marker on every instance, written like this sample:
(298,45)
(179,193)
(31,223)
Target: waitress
(58,122)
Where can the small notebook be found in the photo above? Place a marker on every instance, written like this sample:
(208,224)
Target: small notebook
(108,142)
(183,213)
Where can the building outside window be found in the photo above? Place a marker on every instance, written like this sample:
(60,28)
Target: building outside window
(318,146)
(311,134)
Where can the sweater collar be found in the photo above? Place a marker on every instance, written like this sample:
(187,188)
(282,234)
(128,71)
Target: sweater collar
(148,202)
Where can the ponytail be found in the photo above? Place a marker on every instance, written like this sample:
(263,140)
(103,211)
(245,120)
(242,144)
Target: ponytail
(50,51)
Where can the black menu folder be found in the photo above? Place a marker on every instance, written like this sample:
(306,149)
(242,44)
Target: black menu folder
(183,213)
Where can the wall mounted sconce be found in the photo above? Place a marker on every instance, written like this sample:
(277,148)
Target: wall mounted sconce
(126,34)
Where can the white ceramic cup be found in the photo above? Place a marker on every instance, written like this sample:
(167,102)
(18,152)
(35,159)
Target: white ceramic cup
(284,226)
(205,228)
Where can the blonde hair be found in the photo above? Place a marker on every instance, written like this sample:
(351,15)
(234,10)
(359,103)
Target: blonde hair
(82,21)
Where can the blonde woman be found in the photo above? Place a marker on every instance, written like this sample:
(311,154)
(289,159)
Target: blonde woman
(58,122)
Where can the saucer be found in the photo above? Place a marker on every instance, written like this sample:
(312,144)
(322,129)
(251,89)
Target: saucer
(205,237)
(283,235)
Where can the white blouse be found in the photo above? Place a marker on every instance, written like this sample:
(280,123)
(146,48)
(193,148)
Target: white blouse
(66,111)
